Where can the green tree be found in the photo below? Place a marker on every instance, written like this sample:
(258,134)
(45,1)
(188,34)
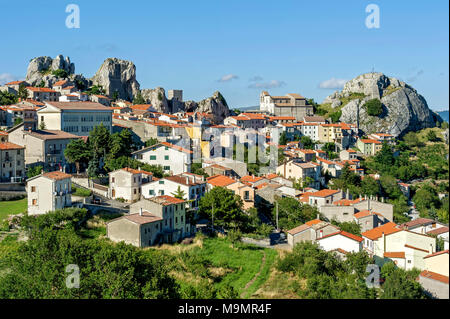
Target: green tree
(226,206)
(152,141)
(138,99)
(411,139)
(78,152)
(34,171)
(370,186)
(60,73)
(17,121)
(374,107)
(292,213)
(179,193)
(42,126)
(335,116)
(398,285)
(22,93)
(431,136)
(7,98)
(350,227)
(283,139)
(307,142)
(100,140)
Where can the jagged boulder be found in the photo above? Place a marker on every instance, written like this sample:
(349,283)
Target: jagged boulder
(404,109)
(216,104)
(116,75)
(41,68)
(157,98)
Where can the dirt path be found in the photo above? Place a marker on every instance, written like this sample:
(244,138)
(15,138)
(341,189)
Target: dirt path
(263,262)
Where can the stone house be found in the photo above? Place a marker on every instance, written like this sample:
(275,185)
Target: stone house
(12,162)
(172,210)
(310,231)
(126,183)
(48,192)
(173,159)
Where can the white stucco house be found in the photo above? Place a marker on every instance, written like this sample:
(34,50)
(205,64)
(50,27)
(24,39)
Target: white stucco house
(174,159)
(341,240)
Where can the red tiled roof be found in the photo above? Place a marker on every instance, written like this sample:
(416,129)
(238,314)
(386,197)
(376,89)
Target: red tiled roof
(417,222)
(166,200)
(324,193)
(363,213)
(437,254)
(175,147)
(36,89)
(10,146)
(438,231)
(313,222)
(369,141)
(377,232)
(57,175)
(345,234)
(399,254)
(145,218)
(434,276)
(220,180)
(250,179)
(298,229)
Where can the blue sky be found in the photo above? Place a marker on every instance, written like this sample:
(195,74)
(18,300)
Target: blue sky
(279,46)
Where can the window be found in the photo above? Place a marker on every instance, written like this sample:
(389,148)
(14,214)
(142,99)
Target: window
(161,182)
(153,157)
(167,168)
(33,189)
(134,191)
(151,192)
(113,179)
(34,202)
(166,157)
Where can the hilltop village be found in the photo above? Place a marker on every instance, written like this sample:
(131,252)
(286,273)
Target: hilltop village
(292,177)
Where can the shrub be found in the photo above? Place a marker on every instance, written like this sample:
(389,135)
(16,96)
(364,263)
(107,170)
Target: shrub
(374,107)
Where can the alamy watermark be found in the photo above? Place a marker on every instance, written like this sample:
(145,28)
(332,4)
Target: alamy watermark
(373,19)
(373,279)
(73,19)
(73,279)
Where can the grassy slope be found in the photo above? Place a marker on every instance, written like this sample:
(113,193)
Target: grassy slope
(12,207)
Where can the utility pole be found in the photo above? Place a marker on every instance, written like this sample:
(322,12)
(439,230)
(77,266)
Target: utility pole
(277,215)
(213,216)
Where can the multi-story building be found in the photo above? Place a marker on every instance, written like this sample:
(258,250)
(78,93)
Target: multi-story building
(12,162)
(291,104)
(42,94)
(126,183)
(300,170)
(173,159)
(152,221)
(78,118)
(48,192)
(368,146)
(244,191)
(191,185)
(43,147)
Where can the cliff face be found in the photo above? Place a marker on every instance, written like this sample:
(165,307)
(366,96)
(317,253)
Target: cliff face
(157,98)
(216,104)
(116,75)
(403,108)
(41,68)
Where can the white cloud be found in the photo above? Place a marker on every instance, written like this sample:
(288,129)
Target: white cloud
(228,77)
(332,83)
(255,78)
(267,85)
(6,77)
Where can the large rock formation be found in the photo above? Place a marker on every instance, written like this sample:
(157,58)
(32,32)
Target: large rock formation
(41,68)
(157,98)
(403,108)
(116,75)
(215,104)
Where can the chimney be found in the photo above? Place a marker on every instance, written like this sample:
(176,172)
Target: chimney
(140,211)
(382,199)
(318,216)
(360,197)
(431,249)
(383,238)
(347,196)
(365,197)
(187,180)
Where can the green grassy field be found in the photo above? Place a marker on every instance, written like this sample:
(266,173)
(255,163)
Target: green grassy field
(237,266)
(12,207)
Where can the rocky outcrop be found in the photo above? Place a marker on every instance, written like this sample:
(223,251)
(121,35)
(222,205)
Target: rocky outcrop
(41,68)
(216,104)
(157,98)
(116,75)
(404,109)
